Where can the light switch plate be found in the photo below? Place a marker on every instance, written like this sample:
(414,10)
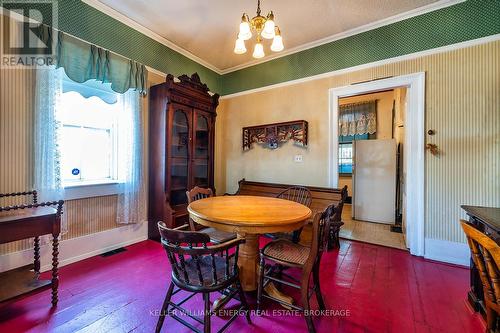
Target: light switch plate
(298,158)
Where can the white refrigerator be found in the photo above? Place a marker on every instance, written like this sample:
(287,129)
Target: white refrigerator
(374,180)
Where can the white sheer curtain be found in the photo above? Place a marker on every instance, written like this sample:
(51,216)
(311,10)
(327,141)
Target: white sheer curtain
(131,207)
(47,171)
(358,118)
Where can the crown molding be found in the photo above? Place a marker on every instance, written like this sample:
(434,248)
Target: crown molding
(348,33)
(151,34)
(411,56)
(21,18)
(370,26)
(155,71)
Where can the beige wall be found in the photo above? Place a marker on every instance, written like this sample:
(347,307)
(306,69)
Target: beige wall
(84,216)
(462,105)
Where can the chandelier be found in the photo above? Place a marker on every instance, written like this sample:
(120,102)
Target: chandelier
(264,27)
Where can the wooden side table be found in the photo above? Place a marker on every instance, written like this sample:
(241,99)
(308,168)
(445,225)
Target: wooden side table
(25,221)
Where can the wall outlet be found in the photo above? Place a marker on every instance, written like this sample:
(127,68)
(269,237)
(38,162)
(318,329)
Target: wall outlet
(298,158)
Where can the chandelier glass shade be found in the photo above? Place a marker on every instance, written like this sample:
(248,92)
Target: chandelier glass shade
(263,27)
(239,46)
(277,44)
(258,51)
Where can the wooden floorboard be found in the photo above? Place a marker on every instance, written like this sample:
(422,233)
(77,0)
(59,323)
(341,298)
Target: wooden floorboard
(376,288)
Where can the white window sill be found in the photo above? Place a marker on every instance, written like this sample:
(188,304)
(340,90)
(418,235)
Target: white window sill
(90,189)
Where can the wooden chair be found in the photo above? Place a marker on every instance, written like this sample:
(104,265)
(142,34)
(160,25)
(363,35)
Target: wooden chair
(199,268)
(216,236)
(283,252)
(335,225)
(486,255)
(299,194)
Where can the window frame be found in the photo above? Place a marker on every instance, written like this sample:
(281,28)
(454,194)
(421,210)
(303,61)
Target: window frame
(79,189)
(344,174)
(350,140)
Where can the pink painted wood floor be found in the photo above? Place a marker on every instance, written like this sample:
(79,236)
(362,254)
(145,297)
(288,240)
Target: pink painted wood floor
(379,289)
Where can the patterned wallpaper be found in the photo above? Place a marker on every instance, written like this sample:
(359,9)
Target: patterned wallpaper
(465,21)
(469,20)
(90,24)
(462,105)
(84,216)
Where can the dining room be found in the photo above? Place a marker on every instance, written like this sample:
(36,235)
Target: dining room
(221,166)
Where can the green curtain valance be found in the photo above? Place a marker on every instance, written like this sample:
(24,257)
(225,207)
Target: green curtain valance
(83,61)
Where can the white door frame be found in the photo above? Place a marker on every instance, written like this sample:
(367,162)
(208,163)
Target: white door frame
(413,152)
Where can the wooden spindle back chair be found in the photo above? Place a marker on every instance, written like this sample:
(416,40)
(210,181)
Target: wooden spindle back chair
(298,194)
(188,251)
(198,193)
(335,225)
(285,253)
(486,256)
(200,268)
(194,194)
(216,236)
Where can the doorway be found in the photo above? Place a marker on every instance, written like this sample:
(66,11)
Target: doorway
(371,165)
(413,154)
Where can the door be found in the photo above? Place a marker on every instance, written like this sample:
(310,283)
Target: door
(202,137)
(374,178)
(179,146)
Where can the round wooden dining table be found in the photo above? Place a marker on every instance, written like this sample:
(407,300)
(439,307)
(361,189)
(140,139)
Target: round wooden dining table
(249,217)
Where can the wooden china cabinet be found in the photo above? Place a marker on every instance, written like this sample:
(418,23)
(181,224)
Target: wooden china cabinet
(181,147)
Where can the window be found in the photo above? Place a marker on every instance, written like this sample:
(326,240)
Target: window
(88,137)
(345,158)
(346,152)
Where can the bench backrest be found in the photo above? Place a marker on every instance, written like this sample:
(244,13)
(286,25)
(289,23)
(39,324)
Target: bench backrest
(322,197)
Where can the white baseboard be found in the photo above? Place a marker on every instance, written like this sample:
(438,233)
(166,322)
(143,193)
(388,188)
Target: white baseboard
(446,251)
(76,249)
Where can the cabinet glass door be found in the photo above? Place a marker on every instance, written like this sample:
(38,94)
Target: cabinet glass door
(201,148)
(179,161)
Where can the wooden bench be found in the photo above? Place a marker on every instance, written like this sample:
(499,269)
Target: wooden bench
(322,197)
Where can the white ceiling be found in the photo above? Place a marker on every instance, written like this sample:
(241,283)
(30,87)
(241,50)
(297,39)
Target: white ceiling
(208,29)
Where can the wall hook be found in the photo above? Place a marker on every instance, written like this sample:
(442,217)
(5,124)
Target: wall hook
(433,148)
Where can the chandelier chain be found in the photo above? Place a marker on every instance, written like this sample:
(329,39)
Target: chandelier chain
(258,7)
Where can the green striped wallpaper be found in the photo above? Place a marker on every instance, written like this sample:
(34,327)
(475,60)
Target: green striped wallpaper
(465,21)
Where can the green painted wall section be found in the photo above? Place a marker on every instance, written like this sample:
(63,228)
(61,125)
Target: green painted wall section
(90,24)
(465,21)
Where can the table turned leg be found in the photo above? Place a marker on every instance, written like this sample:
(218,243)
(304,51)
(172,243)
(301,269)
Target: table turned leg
(248,261)
(36,248)
(55,270)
